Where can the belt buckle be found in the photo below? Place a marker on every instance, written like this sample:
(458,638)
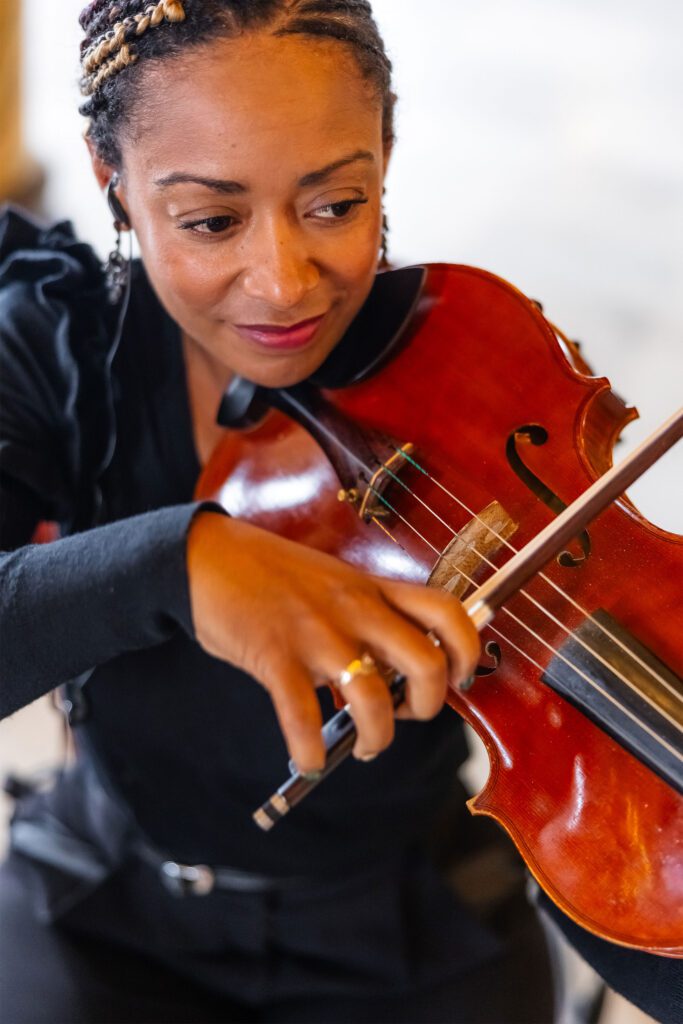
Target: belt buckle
(187,879)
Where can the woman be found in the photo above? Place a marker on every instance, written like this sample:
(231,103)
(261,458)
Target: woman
(246,144)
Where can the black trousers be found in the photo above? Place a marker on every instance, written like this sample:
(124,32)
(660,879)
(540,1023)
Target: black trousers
(78,971)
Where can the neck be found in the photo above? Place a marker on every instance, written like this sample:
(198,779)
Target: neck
(207,380)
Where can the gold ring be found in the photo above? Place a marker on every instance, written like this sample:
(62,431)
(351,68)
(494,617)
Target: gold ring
(363,666)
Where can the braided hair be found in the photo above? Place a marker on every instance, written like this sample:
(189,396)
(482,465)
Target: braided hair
(123,36)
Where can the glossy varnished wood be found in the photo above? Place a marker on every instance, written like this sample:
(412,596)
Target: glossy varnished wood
(602,833)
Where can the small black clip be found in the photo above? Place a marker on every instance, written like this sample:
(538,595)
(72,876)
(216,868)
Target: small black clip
(242,405)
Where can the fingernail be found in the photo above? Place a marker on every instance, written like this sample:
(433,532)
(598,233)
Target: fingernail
(313,776)
(367,757)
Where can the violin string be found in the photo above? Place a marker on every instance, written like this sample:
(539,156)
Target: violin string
(558,654)
(503,636)
(591,618)
(359,462)
(546,611)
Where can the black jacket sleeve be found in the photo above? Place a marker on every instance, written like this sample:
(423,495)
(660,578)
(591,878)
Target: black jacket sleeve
(653,983)
(79,601)
(75,603)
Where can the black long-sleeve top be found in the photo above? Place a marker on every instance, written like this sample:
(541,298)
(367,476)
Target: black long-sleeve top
(98,438)
(89,436)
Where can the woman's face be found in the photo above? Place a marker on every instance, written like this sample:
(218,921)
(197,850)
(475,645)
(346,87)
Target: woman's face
(253,180)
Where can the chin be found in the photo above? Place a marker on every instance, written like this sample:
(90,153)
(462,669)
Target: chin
(286,372)
(285,369)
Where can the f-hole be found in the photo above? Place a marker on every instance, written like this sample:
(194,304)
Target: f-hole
(531,433)
(493,652)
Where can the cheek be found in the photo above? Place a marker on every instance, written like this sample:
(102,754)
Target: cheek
(353,258)
(198,283)
(187,279)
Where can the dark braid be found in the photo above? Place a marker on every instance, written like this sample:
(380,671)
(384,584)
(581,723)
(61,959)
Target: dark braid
(124,36)
(90,14)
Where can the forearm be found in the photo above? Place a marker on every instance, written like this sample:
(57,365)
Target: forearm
(80,601)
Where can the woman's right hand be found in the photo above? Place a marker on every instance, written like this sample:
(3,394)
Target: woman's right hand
(294,618)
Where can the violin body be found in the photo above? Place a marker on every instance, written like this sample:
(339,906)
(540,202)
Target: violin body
(502,417)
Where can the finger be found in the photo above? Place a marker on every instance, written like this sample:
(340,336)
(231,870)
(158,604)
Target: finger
(299,716)
(368,698)
(404,710)
(372,710)
(444,615)
(441,613)
(398,643)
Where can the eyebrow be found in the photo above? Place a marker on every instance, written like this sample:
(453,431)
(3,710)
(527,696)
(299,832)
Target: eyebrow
(232,188)
(317,177)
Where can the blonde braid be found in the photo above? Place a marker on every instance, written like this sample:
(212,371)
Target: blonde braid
(100,54)
(122,59)
(97,54)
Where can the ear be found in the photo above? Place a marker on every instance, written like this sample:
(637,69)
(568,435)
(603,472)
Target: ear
(103,172)
(109,180)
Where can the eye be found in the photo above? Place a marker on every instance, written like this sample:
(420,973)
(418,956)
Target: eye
(209,225)
(337,211)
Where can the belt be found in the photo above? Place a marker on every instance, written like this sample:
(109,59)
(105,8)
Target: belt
(201,879)
(48,841)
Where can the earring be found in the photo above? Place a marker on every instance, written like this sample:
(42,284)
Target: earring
(117,267)
(383,257)
(116,271)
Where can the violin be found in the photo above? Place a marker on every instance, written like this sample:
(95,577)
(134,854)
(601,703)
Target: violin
(437,456)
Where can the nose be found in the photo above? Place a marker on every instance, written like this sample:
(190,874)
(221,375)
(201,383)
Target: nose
(279,269)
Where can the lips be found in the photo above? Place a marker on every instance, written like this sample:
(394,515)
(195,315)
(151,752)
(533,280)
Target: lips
(274,337)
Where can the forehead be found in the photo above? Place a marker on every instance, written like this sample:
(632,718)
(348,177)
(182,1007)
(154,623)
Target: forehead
(254,100)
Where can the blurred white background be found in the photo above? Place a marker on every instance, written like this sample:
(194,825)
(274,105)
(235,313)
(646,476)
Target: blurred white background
(541,139)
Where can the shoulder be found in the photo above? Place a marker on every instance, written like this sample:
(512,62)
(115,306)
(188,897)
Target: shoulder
(56,336)
(46,275)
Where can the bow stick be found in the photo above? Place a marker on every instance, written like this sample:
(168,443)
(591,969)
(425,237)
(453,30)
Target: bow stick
(339,733)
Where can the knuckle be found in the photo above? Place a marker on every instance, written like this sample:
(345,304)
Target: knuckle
(312,622)
(367,599)
(341,590)
(424,710)
(453,613)
(427,694)
(296,719)
(373,712)
(267,668)
(354,595)
(434,662)
(376,706)
(378,734)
